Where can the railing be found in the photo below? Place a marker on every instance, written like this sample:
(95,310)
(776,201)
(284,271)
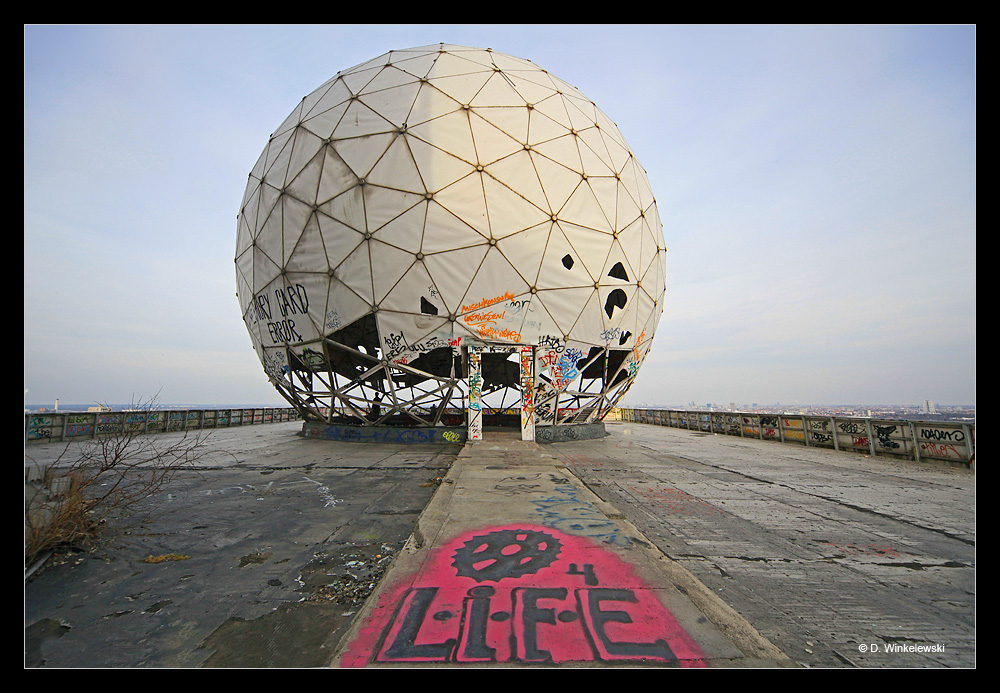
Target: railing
(44,427)
(915,440)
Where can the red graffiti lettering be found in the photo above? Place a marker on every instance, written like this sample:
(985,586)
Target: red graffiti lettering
(522,594)
(940,450)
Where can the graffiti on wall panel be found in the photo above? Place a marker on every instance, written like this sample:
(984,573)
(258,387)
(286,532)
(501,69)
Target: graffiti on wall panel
(475,395)
(527,393)
(400,351)
(947,435)
(732,425)
(821,438)
(487,302)
(852,427)
(942,450)
(913,440)
(521,594)
(562,368)
(486,317)
(278,312)
(546,402)
(884,436)
(80,430)
(403,436)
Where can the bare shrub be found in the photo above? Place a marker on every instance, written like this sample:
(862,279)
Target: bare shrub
(98,486)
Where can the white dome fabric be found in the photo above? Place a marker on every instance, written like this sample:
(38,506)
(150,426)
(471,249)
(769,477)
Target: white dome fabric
(443,197)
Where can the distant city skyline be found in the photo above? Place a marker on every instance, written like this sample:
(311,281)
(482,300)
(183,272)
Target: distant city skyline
(816,185)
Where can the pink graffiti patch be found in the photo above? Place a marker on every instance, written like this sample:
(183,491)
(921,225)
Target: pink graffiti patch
(522,593)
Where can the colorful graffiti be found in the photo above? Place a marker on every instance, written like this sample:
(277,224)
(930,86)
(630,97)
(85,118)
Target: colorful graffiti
(488,322)
(521,594)
(487,332)
(486,302)
(560,362)
(564,508)
(475,395)
(944,441)
(375,434)
(527,390)
(75,425)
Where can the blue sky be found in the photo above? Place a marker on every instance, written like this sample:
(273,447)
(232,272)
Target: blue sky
(816,185)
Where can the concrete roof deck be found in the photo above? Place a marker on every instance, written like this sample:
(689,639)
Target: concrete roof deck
(651,547)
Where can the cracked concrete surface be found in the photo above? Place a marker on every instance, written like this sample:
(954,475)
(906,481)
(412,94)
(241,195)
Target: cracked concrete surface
(824,553)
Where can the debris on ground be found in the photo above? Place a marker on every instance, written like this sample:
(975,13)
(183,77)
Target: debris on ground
(165,557)
(347,576)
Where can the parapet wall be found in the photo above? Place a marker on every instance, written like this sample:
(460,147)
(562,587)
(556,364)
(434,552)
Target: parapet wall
(915,440)
(45,427)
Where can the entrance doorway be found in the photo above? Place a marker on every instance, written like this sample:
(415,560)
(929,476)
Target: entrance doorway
(524,363)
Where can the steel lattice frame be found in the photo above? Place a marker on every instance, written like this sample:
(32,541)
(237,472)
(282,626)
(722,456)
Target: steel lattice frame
(440,198)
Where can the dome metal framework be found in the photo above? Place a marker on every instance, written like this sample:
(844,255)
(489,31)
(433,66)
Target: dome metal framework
(443,231)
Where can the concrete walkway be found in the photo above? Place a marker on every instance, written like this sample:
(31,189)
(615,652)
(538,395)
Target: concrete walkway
(515,562)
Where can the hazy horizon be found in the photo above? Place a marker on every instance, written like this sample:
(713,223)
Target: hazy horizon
(817,186)
(247,405)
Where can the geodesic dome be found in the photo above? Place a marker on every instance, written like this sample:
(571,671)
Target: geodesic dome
(438,199)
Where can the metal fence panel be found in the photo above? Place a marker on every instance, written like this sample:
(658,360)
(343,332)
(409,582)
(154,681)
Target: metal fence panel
(68,426)
(917,440)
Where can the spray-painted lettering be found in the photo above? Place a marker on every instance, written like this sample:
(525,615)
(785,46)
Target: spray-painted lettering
(522,594)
